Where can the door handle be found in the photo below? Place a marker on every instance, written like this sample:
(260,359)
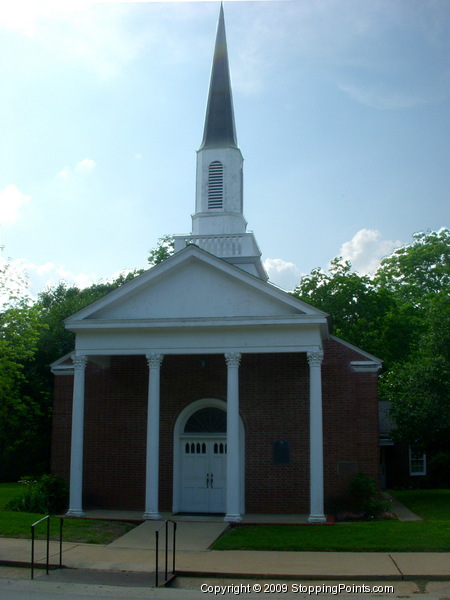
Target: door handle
(207,480)
(212,479)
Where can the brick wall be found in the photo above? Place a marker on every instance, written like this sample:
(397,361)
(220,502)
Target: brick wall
(350,422)
(274,404)
(61,425)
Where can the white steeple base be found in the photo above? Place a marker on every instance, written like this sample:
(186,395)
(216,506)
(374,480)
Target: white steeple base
(238,249)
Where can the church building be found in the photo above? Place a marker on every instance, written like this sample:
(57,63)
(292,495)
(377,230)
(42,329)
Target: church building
(198,386)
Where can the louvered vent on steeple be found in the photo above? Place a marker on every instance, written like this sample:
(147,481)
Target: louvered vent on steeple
(215,185)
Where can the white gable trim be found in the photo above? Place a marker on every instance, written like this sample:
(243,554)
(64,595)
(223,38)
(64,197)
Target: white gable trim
(62,366)
(372,360)
(192,252)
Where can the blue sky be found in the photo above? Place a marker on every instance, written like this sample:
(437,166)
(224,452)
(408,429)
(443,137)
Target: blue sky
(342,115)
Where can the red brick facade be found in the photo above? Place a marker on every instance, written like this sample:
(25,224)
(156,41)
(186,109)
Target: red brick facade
(274,404)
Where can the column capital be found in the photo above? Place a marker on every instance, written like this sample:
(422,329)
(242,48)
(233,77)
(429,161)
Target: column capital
(315,358)
(233,359)
(154,361)
(79,362)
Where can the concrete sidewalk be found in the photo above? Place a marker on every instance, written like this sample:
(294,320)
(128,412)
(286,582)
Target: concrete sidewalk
(135,553)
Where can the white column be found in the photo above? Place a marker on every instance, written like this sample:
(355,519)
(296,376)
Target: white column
(76,450)
(233,453)
(152,464)
(315,438)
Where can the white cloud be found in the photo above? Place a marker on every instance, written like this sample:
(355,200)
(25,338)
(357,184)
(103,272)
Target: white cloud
(26,16)
(65,173)
(49,274)
(11,201)
(284,274)
(84,166)
(81,31)
(366,249)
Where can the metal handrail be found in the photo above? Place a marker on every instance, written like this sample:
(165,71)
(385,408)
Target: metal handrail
(46,518)
(166,525)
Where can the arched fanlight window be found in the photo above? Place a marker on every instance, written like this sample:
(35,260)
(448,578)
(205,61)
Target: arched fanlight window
(215,185)
(207,420)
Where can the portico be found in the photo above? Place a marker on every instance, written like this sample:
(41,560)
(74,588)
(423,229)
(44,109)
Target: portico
(138,331)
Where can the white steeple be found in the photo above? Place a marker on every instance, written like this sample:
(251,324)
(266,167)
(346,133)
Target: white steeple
(219,225)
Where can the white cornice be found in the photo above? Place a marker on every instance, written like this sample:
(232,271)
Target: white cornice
(365,366)
(189,253)
(371,359)
(294,320)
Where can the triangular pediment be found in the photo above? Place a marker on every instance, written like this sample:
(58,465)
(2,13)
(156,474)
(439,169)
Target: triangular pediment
(193,284)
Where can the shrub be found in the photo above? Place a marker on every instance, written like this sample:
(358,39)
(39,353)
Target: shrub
(47,495)
(366,498)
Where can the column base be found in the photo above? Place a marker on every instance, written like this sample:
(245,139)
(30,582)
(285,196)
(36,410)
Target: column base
(232,518)
(75,512)
(152,516)
(317,519)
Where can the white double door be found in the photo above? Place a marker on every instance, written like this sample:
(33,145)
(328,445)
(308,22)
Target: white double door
(203,474)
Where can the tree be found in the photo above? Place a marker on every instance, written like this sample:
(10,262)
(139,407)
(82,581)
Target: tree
(419,388)
(20,414)
(55,304)
(401,315)
(358,309)
(32,336)
(163,250)
(415,273)
(59,302)
(418,384)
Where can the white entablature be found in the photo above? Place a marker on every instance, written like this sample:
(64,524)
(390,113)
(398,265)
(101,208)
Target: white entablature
(194,302)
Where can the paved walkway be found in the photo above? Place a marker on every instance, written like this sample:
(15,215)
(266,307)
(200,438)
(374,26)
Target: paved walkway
(135,553)
(403,513)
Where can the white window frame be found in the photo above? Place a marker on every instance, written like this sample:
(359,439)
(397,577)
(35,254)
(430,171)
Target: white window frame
(417,457)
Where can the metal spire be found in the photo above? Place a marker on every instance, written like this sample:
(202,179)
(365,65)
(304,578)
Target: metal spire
(219,129)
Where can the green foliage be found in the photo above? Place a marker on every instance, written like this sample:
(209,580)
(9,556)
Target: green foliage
(61,301)
(360,312)
(401,315)
(47,495)
(419,389)
(366,498)
(87,531)
(418,384)
(415,273)
(32,336)
(20,413)
(13,285)
(163,250)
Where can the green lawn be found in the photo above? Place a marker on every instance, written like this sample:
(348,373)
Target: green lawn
(430,535)
(18,525)
(431,505)
(8,491)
